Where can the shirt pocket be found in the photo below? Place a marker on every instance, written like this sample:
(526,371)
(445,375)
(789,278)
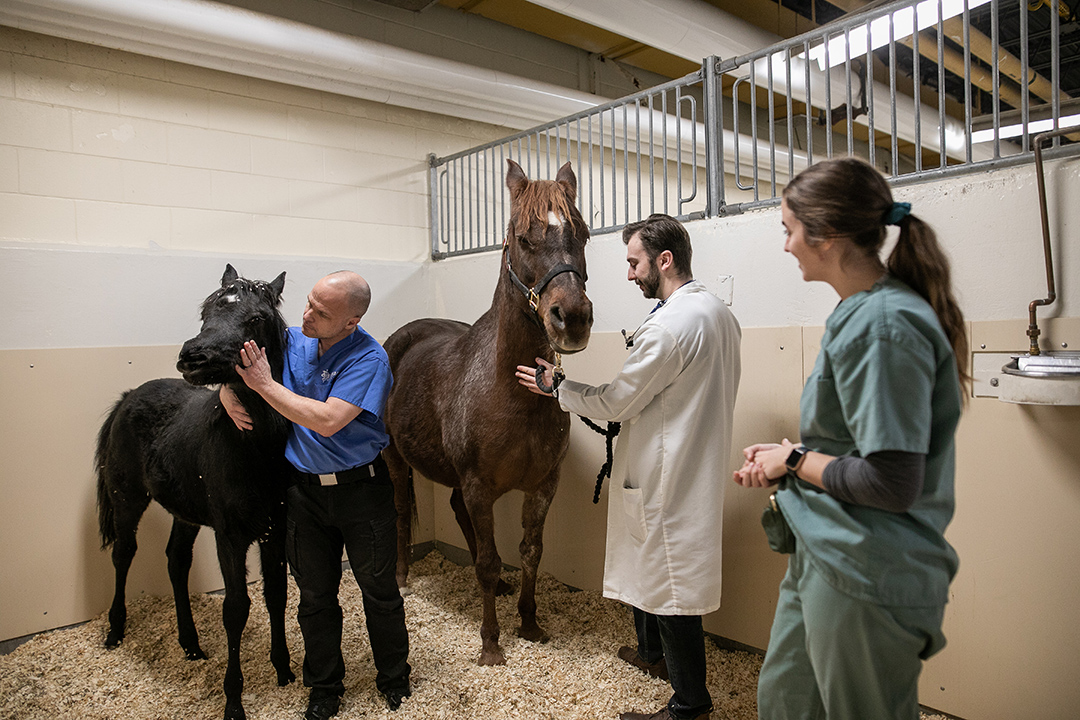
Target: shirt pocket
(634,507)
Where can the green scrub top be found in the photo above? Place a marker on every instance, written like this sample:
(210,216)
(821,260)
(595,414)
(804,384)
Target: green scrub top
(885,379)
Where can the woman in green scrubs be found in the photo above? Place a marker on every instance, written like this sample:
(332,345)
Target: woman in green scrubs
(869,491)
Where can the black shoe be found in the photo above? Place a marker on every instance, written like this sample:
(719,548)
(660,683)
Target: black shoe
(322,708)
(394,697)
(657,669)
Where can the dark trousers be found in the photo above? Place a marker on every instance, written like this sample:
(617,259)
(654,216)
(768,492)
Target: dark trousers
(681,641)
(359,517)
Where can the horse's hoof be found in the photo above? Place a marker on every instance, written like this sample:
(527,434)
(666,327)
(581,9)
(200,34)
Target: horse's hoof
(235,712)
(114,640)
(493,657)
(196,654)
(534,634)
(503,588)
(284,678)
(405,590)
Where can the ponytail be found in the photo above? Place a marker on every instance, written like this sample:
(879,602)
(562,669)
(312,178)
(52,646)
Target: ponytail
(919,261)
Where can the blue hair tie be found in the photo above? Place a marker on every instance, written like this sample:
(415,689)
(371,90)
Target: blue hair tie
(897,212)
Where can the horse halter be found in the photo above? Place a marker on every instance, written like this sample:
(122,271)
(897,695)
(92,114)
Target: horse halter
(532,294)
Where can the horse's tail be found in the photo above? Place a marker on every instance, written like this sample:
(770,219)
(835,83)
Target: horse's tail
(106,522)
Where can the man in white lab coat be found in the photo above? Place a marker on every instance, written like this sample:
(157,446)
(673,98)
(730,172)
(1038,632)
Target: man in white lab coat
(675,397)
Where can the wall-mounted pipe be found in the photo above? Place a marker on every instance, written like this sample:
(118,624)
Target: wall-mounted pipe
(1051,291)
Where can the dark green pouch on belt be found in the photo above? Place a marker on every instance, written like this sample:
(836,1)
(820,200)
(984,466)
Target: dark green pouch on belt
(781,539)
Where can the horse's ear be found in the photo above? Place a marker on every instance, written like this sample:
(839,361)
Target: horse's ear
(278,285)
(515,178)
(567,177)
(229,276)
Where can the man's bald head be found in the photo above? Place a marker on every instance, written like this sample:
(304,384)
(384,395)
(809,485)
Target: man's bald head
(354,290)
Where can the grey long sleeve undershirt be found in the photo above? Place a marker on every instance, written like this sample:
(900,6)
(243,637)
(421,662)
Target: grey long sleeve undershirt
(888,480)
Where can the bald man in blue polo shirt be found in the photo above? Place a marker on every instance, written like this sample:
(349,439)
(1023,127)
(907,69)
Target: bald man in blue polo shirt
(334,390)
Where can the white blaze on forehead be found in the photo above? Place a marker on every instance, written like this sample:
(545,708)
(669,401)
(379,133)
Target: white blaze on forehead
(554,219)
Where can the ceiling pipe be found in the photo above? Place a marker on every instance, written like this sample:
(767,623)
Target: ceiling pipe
(252,44)
(692,29)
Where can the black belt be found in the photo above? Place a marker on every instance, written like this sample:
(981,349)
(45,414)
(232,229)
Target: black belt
(360,473)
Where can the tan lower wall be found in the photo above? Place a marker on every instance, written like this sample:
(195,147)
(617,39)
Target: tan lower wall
(1013,622)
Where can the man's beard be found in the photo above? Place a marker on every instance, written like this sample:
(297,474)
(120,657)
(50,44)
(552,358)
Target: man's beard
(650,284)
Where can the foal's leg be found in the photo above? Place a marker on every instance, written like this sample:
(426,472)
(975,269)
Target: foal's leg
(405,503)
(232,552)
(127,511)
(275,593)
(461,514)
(533,513)
(179,550)
(477,499)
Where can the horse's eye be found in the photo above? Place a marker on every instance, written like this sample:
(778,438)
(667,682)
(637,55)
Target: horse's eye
(255,320)
(524,240)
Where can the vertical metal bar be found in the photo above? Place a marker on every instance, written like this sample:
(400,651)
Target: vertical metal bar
(693,154)
(828,101)
(790,111)
(868,84)
(1024,96)
(455,179)
(652,158)
(592,203)
(892,89)
(528,156)
(580,173)
(502,185)
(735,132)
(433,202)
(753,127)
(717,170)
(603,150)
(547,155)
(714,131)
(917,75)
(637,152)
(944,158)
(615,181)
(809,105)
(772,127)
(626,164)
(663,139)
(850,124)
(1055,70)
(678,151)
(547,137)
(967,81)
(487,199)
(994,20)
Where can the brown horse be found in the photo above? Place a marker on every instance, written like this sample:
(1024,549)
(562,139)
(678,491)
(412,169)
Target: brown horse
(457,413)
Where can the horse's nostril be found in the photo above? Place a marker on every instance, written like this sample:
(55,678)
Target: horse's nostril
(557,316)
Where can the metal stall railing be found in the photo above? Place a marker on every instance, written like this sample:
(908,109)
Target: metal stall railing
(633,156)
(919,88)
(840,90)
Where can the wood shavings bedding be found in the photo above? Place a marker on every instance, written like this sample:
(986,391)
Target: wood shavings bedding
(576,676)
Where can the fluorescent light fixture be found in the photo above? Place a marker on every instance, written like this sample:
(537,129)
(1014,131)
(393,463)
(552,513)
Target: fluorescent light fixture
(903,22)
(1034,128)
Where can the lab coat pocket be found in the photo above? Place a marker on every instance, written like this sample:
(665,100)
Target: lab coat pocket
(634,507)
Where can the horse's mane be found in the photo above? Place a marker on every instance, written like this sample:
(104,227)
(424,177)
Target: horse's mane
(543,196)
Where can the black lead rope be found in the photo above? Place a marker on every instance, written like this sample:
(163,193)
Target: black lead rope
(605,470)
